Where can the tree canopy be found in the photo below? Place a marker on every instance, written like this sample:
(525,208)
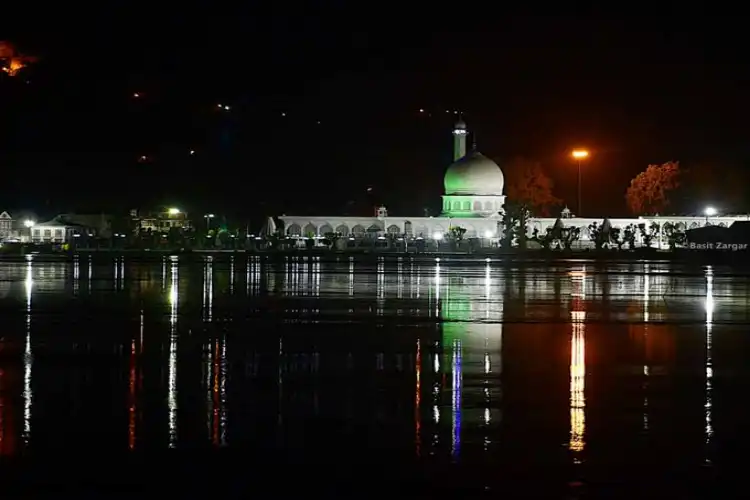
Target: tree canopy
(649,191)
(529,185)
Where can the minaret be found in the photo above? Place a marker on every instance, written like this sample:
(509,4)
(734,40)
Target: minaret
(459,140)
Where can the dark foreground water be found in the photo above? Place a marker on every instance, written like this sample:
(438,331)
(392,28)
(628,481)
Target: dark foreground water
(426,379)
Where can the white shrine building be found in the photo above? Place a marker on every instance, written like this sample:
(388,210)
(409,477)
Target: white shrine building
(473,200)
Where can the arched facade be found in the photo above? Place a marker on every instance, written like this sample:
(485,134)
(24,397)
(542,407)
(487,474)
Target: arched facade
(473,200)
(476,227)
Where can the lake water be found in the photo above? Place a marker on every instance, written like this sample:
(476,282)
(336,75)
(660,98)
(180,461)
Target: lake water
(563,379)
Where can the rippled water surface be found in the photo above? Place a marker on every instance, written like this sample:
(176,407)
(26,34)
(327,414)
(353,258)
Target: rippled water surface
(578,371)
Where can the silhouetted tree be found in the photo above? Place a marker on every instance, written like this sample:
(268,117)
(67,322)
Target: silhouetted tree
(648,233)
(515,224)
(648,191)
(528,184)
(675,235)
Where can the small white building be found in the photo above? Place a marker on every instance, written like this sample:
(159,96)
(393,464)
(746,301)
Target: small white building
(163,221)
(6,226)
(55,231)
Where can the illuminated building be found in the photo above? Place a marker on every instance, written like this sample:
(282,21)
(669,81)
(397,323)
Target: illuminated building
(162,221)
(65,227)
(473,199)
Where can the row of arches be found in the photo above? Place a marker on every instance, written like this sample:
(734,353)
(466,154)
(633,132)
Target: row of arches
(378,228)
(357,230)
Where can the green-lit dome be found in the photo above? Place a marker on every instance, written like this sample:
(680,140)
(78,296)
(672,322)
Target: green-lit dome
(474,174)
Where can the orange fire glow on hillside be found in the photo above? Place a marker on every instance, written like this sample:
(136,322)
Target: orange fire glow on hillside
(11,60)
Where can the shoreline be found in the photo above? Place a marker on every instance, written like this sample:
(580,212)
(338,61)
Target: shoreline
(705,257)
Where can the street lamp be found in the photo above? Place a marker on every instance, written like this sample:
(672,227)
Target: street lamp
(208,218)
(579,155)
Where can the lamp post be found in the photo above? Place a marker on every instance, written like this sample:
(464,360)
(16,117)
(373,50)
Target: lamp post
(579,155)
(208,218)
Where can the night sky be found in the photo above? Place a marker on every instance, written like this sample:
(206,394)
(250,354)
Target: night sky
(324,103)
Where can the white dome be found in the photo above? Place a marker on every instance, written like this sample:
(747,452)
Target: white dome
(474,174)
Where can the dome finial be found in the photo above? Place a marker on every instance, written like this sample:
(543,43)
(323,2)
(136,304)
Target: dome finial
(459,139)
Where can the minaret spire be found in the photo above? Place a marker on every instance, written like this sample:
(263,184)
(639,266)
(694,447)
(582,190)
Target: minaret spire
(459,139)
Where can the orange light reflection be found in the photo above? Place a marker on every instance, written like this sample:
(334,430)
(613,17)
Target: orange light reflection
(577,383)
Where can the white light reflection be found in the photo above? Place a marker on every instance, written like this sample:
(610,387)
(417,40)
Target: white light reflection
(577,383)
(223,392)
(231,275)
(646,299)
(135,385)
(380,301)
(437,288)
(316,277)
(90,273)
(174,300)
(122,273)
(436,395)
(208,290)
(28,358)
(400,282)
(76,274)
(493,347)
(351,276)
(708,405)
(253,275)
(487,290)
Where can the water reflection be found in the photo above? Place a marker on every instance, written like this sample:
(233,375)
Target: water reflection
(76,274)
(418,400)
(216,390)
(208,289)
(174,300)
(708,405)
(28,357)
(135,382)
(119,273)
(456,389)
(578,382)
(252,276)
(231,275)
(449,362)
(578,366)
